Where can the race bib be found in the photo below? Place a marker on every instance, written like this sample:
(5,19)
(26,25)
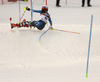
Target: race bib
(44,17)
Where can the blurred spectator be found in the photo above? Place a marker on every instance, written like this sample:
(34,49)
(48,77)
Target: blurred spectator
(12,0)
(57,3)
(88,3)
(16,0)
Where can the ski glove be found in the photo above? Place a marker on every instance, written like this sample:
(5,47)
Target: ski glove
(51,27)
(27,8)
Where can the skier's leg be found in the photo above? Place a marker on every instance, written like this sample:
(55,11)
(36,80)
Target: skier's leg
(40,24)
(23,24)
(33,24)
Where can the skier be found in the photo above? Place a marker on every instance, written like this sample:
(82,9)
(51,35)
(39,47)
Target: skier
(44,17)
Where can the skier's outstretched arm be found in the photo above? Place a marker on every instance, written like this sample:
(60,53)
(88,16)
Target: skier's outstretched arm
(37,11)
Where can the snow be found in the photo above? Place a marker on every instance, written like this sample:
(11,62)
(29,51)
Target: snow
(61,56)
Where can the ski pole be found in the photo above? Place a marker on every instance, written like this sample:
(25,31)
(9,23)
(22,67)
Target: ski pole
(89,46)
(66,31)
(23,14)
(43,34)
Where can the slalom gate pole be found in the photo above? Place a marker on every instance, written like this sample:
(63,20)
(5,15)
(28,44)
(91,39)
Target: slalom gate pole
(66,2)
(31,11)
(43,34)
(43,1)
(89,46)
(67,31)
(2,2)
(19,11)
(32,8)
(23,14)
(46,2)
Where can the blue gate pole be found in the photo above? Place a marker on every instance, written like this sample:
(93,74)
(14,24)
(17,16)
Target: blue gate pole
(32,8)
(19,10)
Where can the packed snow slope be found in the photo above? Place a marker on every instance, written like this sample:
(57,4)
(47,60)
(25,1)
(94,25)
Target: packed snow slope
(61,56)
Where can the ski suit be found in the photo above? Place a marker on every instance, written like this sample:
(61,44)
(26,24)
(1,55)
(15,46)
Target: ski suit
(44,17)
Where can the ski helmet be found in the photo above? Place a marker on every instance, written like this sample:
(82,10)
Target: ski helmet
(45,7)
